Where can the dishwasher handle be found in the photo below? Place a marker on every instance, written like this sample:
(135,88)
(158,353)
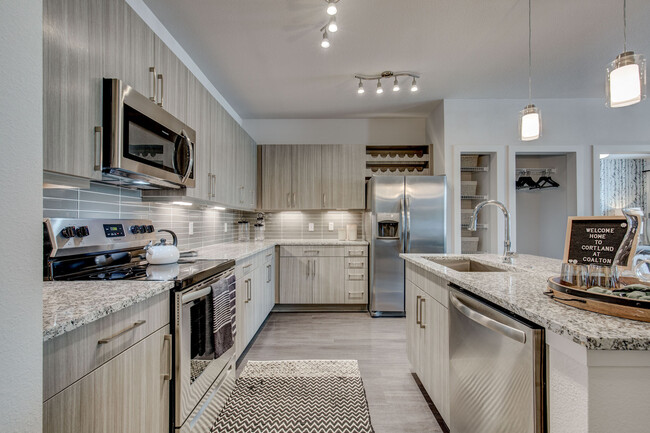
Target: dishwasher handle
(488,322)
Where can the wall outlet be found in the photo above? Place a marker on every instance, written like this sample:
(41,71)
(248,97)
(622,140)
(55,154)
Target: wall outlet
(225,227)
(330,227)
(311,227)
(191,228)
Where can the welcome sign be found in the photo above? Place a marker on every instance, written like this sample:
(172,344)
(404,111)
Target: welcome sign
(594,240)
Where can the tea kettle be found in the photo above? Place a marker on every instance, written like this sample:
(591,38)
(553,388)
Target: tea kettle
(162,253)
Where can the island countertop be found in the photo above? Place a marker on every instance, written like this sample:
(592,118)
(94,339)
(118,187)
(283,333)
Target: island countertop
(520,290)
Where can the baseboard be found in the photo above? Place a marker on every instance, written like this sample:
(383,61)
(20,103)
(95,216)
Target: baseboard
(432,406)
(319,308)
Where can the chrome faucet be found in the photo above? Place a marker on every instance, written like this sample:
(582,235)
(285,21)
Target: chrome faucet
(507,253)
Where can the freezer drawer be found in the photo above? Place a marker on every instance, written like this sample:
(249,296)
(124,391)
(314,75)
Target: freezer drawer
(496,369)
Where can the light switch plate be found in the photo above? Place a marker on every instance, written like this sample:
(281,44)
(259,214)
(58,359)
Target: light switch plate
(330,227)
(311,227)
(191,228)
(225,227)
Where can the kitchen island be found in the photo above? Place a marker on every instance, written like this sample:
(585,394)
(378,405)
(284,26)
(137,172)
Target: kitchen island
(598,367)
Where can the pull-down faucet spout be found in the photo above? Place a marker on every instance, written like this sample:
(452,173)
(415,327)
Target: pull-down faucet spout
(507,253)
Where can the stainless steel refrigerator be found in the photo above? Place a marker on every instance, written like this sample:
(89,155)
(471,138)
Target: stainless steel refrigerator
(404,215)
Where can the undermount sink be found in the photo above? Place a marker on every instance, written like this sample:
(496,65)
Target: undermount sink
(466,265)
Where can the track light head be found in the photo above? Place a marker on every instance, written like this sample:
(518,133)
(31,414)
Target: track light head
(332,26)
(379,89)
(325,43)
(360,90)
(331,7)
(414,86)
(395,85)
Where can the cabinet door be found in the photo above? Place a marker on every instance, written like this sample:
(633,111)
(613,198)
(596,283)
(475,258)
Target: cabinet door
(251,170)
(276,177)
(306,176)
(72,92)
(198,118)
(172,80)
(296,280)
(425,340)
(127,394)
(241,308)
(437,355)
(343,177)
(412,327)
(128,46)
(329,280)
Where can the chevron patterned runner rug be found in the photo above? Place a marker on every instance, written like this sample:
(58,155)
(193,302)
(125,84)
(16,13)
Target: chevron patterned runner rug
(310,396)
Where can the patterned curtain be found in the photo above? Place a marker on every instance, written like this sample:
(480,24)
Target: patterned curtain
(622,184)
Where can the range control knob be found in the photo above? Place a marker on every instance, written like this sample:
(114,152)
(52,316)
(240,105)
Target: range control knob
(150,229)
(143,229)
(135,229)
(82,231)
(68,232)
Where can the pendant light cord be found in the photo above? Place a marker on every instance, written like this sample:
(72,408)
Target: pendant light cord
(625,26)
(530,63)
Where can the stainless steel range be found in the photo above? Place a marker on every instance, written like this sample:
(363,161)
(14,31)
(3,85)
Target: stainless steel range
(203,305)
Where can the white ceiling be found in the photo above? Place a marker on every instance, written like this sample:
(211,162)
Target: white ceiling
(264,56)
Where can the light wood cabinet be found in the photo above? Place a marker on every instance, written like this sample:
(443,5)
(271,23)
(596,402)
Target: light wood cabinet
(172,81)
(343,179)
(308,177)
(322,275)
(126,394)
(71,95)
(427,336)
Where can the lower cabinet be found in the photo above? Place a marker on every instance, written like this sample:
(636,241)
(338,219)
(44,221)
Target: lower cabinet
(255,290)
(323,275)
(127,394)
(427,335)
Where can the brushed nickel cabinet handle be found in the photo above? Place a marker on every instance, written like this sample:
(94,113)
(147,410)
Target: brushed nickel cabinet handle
(248,290)
(162,89)
(210,188)
(417,310)
(268,276)
(324,199)
(247,266)
(314,269)
(269,255)
(152,90)
(422,325)
(357,265)
(294,200)
(356,252)
(123,331)
(99,145)
(168,375)
(312,251)
(308,265)
(288,199)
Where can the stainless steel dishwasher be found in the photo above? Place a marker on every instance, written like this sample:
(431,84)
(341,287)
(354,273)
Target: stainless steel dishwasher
(497,369)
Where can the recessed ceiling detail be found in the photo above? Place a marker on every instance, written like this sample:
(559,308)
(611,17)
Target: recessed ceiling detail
(387,74)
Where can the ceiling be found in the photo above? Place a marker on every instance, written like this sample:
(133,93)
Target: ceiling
(264,56)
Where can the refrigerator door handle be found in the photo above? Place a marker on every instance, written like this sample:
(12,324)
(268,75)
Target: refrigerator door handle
(402,222)
(408,224)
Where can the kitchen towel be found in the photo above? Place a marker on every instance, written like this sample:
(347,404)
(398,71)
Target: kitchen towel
(223,315)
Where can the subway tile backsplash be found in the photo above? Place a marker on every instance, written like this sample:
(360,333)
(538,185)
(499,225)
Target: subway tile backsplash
(105,201)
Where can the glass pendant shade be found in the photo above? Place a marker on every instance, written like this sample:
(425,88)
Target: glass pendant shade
(626,80)
(530,123)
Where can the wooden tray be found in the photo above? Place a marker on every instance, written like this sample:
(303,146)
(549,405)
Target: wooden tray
(611,305)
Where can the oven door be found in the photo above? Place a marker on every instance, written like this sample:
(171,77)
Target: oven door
(146,140)
(203,345)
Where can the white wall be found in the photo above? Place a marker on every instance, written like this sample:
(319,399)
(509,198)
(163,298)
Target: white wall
(337,131)
(21,141)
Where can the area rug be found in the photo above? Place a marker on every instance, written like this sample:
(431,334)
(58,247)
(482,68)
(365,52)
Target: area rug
(309,396)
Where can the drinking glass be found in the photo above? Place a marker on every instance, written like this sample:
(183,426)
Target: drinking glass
(603,276)
(574,275)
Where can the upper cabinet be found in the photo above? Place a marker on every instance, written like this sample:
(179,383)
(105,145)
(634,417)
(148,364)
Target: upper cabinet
(87,40)
(309,177)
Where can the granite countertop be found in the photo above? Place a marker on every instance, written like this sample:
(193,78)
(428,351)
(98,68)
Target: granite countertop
(521,291)
(242,250)
(68,305)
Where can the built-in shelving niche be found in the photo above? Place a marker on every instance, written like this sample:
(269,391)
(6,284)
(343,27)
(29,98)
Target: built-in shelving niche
(398,160)
(475,188)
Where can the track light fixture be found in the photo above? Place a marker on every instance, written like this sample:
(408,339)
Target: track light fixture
(325,43)
(387,74)
(332,26)
(331,7)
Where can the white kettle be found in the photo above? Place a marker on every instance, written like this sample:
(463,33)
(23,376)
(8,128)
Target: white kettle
(163,253)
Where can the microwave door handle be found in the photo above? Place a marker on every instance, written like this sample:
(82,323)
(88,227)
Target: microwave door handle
(191,163)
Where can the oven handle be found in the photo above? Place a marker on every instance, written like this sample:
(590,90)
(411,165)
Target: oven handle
(189,297)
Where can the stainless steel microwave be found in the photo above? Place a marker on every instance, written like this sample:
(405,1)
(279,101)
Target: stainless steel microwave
(143,145)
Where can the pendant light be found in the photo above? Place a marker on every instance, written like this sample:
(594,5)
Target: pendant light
(530,118)
(626,81)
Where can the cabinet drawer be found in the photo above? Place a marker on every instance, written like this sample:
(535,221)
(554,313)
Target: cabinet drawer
(355,275)
(267,255)
(356,292)
(74,354)
(244,267)
(311,251)
(357,251)
(355,263)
